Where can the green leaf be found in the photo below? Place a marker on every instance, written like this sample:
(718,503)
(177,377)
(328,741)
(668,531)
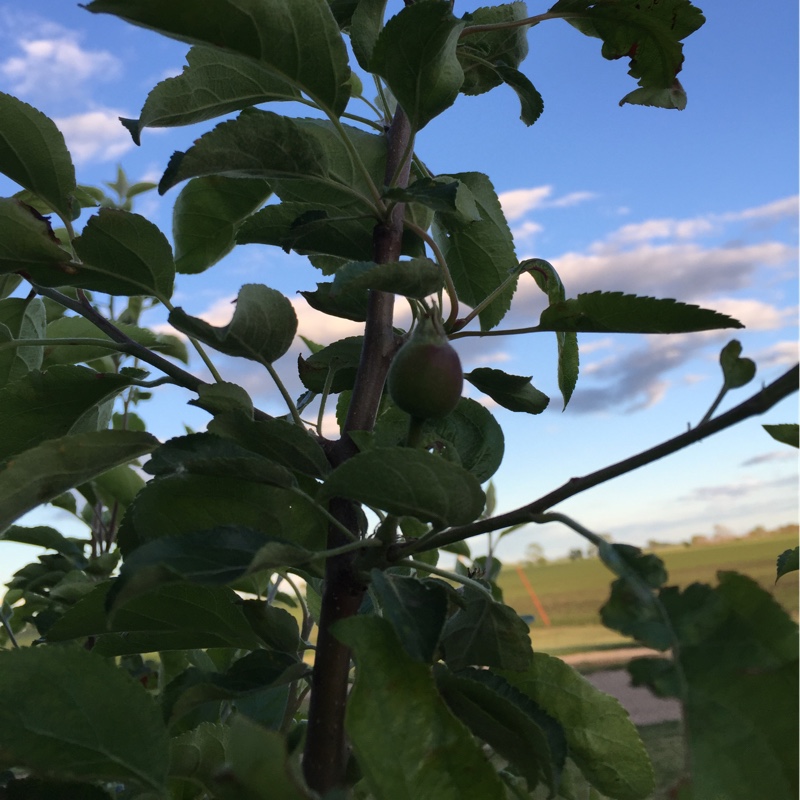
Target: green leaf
(208,454)
(36,789)
(505,726)
(353,306)
(80,328)
(408,482)
(416,55)
(416,609)
(27,243)
(276,627)
(788,561)
(486,633)
(480,255)
(480,52)
(737,371)
(298,40)
(207,215)
(46,471)
(649,34)
(738,655)
(425,751)
(258,765)
(34,155)
(439,194)
(44,536)
(179,616)
(220,398)
(257,144)
(658,97)
(276,439)
(214,556)
(530,101)
(213,83)
(365,27)
(184,503)
(310,229)
(119,485)
(469,436)
(601,738)
(418,278)
(67,713)
(199,754)
(342,357)
(44,405)
(123,254)
(514,392)
(262,328)
(20,318)
(615,312)
(787,433)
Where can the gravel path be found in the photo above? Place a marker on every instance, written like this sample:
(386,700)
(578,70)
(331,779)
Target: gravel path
(643,706)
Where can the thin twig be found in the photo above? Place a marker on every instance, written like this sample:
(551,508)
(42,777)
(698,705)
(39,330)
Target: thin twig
(760,402)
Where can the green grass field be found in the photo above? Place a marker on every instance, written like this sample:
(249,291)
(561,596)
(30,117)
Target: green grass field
(572,592)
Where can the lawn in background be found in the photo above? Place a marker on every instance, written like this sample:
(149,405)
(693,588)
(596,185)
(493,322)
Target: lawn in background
(572,592)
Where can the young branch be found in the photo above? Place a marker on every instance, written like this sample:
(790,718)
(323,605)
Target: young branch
(760,402)
(325,755)
(180,376)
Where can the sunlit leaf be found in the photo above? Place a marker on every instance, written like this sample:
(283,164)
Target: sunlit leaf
(601,738)
(425,751)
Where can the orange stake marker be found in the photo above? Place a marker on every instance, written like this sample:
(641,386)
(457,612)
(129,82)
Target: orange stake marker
(529,589)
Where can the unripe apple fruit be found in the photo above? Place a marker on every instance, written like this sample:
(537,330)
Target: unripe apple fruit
(425,378)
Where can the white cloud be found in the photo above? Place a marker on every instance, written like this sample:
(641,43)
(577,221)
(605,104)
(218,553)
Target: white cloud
(526,231)
(518,202)
(756,315)
(780,354)
(56,64)
(95,136)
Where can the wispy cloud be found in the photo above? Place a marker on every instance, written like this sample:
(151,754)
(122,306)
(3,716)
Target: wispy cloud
(517,203)
(767,458)
(46,60)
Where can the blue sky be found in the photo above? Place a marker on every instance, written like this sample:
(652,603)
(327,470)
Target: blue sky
(699,205)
